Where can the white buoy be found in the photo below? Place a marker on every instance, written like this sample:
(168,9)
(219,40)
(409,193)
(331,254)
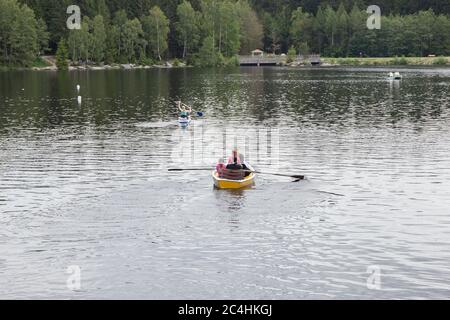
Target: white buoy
(78,88)
(79,99)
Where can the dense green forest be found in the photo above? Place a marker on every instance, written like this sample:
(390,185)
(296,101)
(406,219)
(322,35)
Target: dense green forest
(213,32)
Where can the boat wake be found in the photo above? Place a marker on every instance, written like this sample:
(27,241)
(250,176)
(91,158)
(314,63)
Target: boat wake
(158,124)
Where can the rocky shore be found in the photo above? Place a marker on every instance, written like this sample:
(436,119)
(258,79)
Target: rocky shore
(51,66)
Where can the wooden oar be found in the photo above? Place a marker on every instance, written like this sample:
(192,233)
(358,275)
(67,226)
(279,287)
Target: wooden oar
(296,177)
(191,169)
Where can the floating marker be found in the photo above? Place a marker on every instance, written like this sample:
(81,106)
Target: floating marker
(78,88)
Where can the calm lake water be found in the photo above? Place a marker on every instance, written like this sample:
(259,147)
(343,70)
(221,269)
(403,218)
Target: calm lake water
(86,184)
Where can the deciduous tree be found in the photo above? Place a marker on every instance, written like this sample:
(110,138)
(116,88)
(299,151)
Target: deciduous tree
(156,30)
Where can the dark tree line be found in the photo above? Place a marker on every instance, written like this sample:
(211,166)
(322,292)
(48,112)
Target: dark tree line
(404,27)
(342,33)
(213,32)
(402,7)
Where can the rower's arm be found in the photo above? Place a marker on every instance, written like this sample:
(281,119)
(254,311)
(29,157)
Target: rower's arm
(189,109)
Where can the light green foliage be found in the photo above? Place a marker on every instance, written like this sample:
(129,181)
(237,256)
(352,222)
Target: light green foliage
(319,31)
(118,36)
(98,39)
(440,61)
(232,61)
(156,31)
(188,30)
(208,56)
(42,36)
(80,42)
(229,29)
(330,26)
(399,61)
(252,31)
(222,30)
(301,28)
(342,30)
(272,34)
(21,35)
(132,39)
(292,53)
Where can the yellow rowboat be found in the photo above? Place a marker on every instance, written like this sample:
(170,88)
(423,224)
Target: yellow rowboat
(221,183)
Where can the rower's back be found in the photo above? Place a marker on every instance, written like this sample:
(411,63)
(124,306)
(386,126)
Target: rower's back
(233,174)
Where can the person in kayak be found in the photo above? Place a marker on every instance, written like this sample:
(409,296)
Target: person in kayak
(185,111)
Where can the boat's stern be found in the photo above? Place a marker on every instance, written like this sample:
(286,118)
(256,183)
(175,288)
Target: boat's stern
(233,184)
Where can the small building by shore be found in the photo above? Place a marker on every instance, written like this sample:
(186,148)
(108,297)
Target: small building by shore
(258,53)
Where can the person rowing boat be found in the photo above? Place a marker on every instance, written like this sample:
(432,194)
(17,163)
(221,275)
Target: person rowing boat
(235,169)
(234,161)
(236,174)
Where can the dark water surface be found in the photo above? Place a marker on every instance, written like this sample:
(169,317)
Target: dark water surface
(87,184)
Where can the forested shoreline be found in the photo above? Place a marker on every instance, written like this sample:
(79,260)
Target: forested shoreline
(214,32)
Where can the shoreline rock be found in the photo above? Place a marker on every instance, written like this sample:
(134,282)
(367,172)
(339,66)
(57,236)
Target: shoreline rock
(49,68)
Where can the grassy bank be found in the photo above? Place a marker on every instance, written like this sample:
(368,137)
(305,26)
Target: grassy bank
(398,61)
(40,63)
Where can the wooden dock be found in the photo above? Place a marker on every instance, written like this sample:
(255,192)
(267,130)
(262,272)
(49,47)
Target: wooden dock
(261,61)
(314,59)
(278,60)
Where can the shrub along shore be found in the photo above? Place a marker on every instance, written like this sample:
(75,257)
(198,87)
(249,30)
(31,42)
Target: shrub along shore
(398,61)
